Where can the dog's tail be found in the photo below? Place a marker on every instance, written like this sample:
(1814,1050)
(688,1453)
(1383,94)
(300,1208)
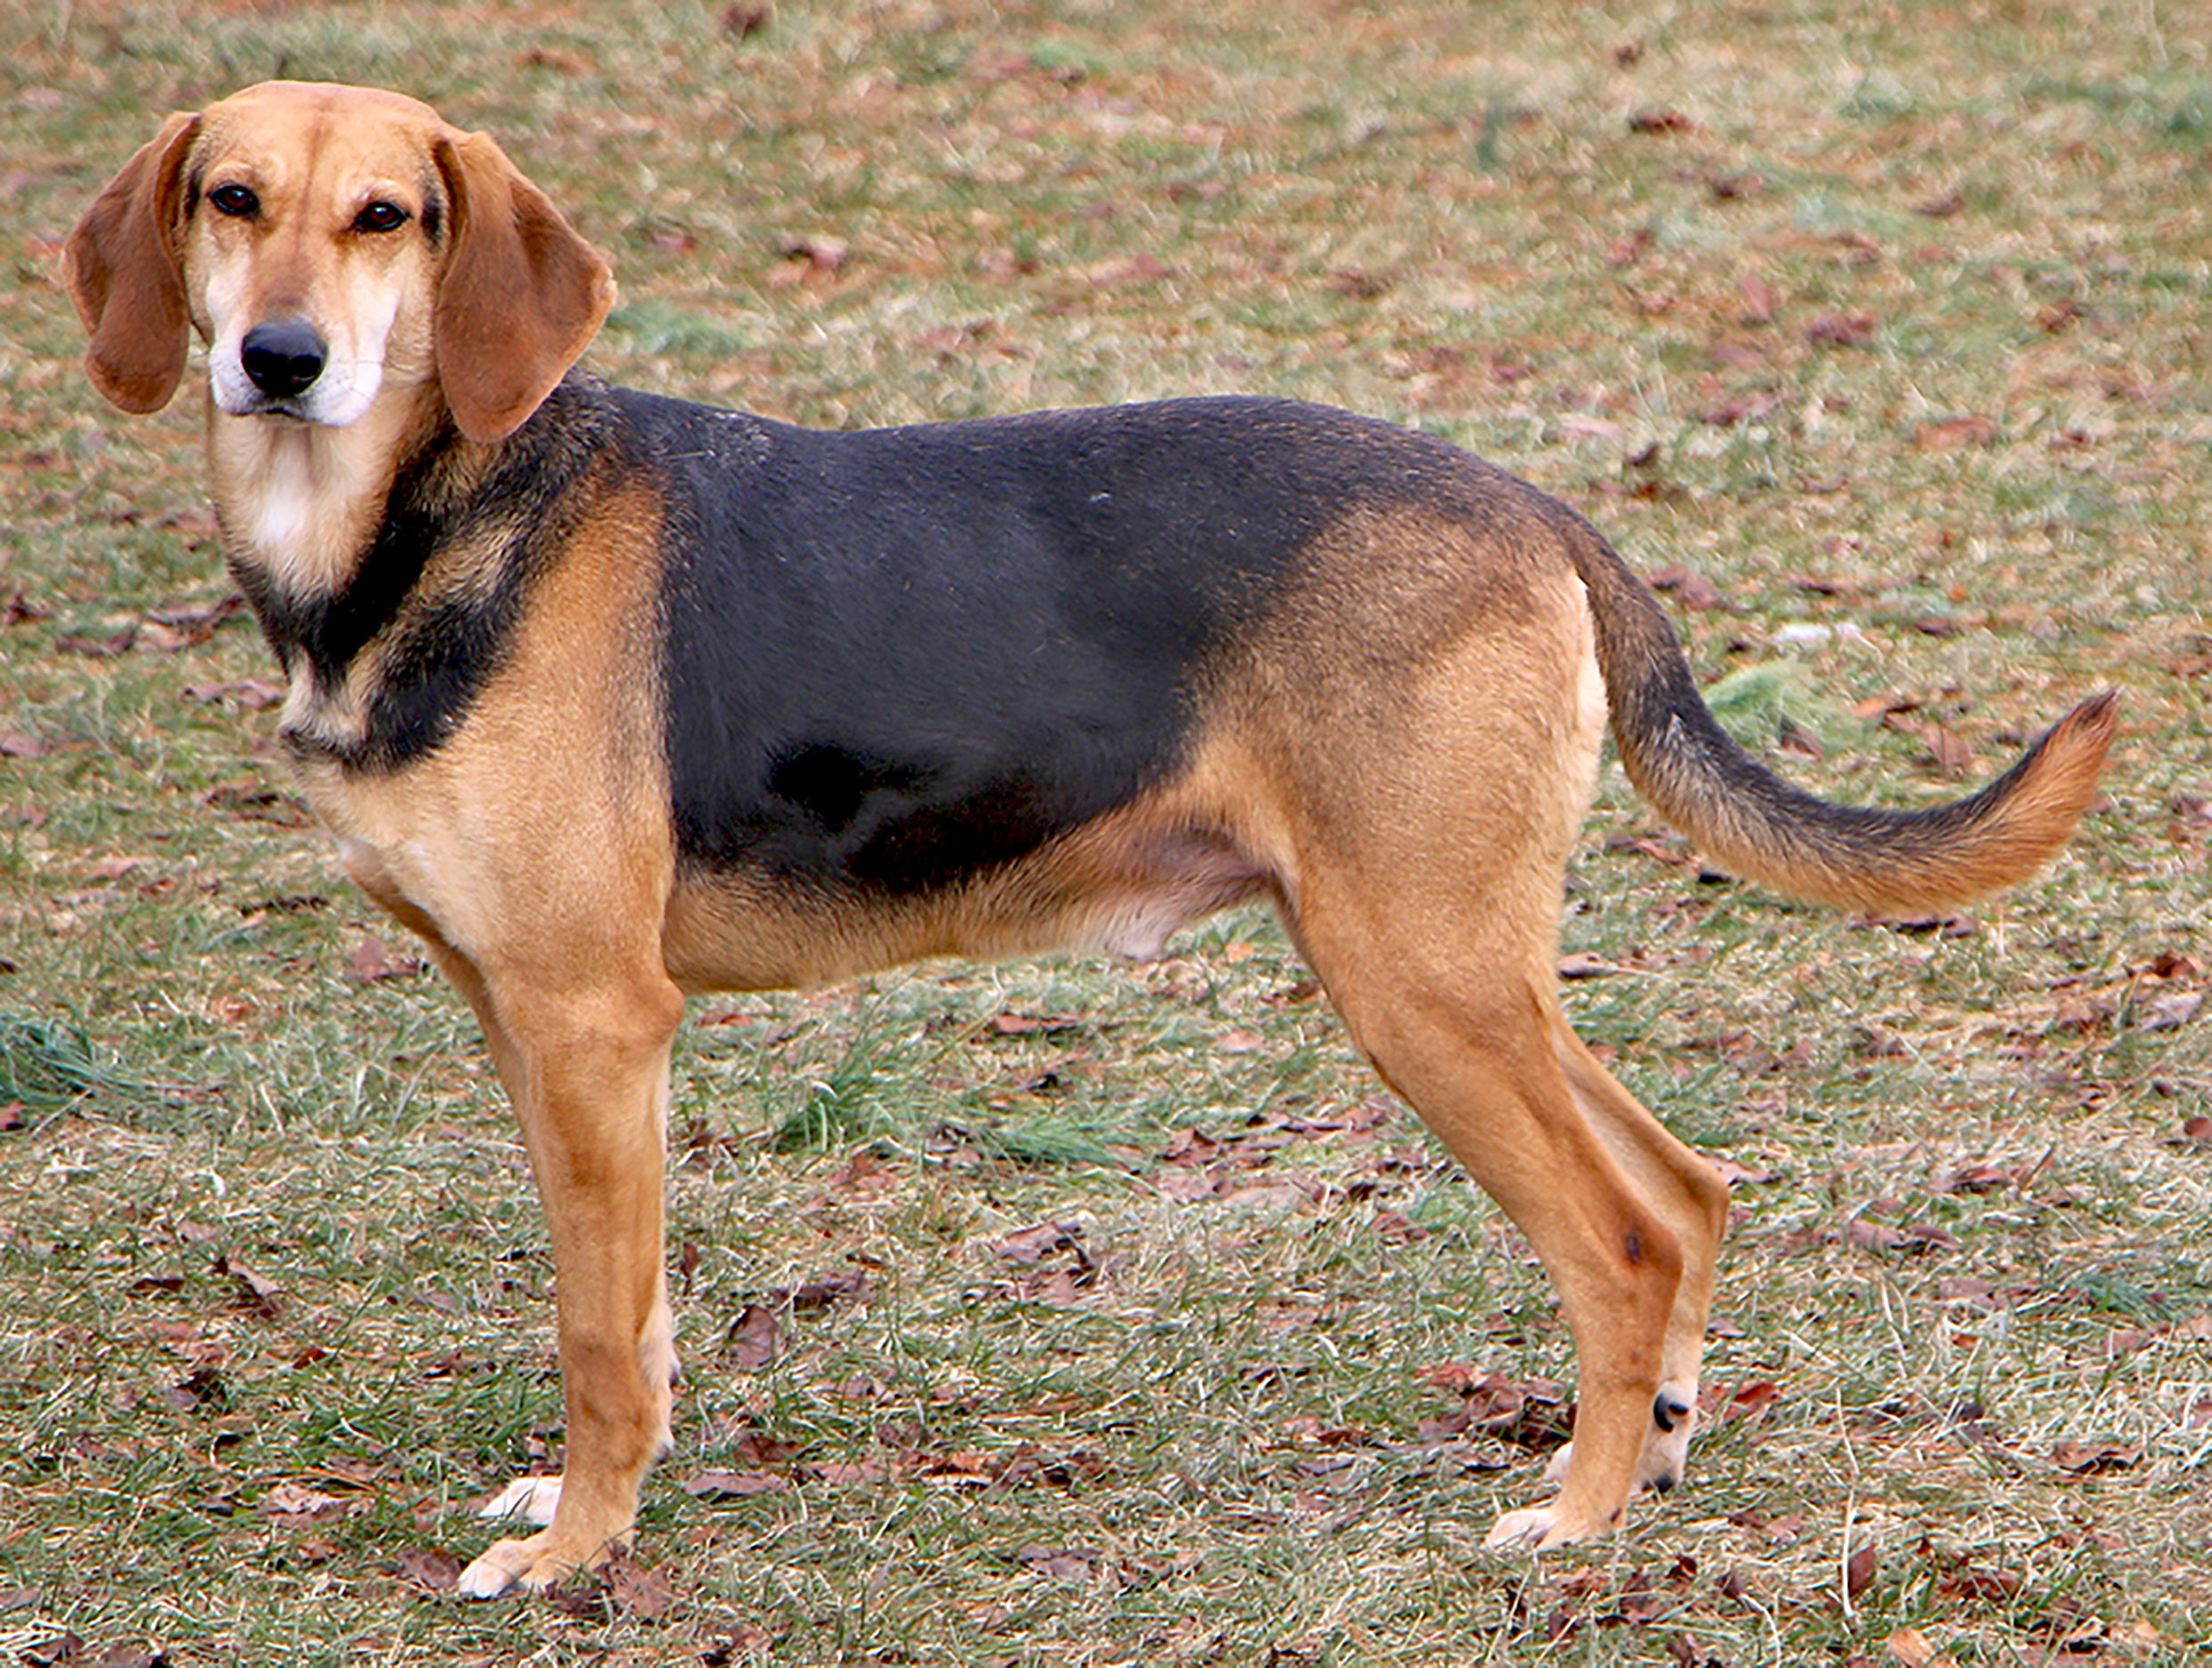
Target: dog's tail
(1758,825)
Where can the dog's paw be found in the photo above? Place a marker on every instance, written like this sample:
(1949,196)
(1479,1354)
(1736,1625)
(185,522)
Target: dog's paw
(1560,1524)
(529,1565)
(1519,1531)
(1525,1531)
(529,1499)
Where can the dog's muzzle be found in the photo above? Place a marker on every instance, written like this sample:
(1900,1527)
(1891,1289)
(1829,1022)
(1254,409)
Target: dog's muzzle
(283,359)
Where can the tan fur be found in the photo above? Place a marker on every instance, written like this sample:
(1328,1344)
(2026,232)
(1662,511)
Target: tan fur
(1399,759)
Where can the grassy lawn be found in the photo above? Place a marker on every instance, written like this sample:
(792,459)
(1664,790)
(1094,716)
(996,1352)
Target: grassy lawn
(1082,1314)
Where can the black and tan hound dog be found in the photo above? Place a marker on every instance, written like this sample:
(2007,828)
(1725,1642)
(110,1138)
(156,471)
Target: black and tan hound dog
(613,699)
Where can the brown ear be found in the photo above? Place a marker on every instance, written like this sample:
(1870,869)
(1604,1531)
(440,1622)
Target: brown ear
(522,294)
(123,272)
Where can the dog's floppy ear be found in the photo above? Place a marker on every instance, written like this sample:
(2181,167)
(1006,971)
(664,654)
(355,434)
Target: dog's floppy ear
(522,294)
(123,271)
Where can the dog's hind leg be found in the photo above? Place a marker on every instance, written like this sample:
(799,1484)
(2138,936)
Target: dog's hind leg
(1424,832)
(1686,1189)
(1467,1041)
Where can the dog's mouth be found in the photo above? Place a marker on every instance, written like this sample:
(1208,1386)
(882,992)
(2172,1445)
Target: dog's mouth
(274,410)
(331,400)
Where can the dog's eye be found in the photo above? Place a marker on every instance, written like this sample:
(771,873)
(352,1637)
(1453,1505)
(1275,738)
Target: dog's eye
(238,202)
(380,217)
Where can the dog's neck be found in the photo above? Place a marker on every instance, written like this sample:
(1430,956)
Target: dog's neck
(368,551)
(301,508)
(298,503)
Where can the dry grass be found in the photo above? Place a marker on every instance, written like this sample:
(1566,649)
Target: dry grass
(1884,321)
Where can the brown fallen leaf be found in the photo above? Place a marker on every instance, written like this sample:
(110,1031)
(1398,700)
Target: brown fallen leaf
(372,960)
(199,617)
(2096,1459)
(1061,1563)
(2171,1011)
(1034,1244)
(847,1284)
(1912,1647)
(252,694)
(256,802)
(296,1501)
(1290,995)
(848,1473)
(1187,1187)
(98,648)
(635,1591)
(734,1485)
(115,868)
(1191,1147)
(816,252)
(1639,1603)
(2170,964)
(1950,433)
(748,1641)
(257,1295)
(134,1655)
(1750,1400)
(1873,1236)
(1952,755)
(754,1342)
(1980,1178)
(1582,964)
(1696,589)
(1967,1289)
(1741,1174)
(1012,1024)
(1842,330)
(1860,1570)
(199,1391)
(1398,1230)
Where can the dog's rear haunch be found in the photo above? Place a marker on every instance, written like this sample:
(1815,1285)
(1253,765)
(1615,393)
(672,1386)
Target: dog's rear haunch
(613,699)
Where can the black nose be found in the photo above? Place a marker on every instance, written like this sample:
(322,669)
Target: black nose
(283,359)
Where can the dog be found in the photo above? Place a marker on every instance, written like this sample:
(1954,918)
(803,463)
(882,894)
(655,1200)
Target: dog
(613,699)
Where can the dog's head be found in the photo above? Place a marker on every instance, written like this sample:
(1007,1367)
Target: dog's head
(331,244)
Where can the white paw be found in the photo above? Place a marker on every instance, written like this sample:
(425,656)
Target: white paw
(1520,1531)
(531,1499)
(489,1576)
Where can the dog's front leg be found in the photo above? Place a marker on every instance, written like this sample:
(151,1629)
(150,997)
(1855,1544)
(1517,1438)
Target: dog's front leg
(588,1074)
